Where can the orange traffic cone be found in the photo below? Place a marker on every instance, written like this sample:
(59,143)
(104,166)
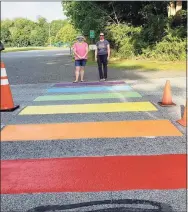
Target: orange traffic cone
(7,103)
(183,121)
(167,97)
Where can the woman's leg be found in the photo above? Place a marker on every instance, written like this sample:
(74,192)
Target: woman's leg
(82,73)
(77,73)
(77,70)
(82,69)
(100,67)
(105,67)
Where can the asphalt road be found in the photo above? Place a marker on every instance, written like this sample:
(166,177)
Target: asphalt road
(34,67)
(31,74)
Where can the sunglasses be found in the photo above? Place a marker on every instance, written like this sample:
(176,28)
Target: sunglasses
(101,35)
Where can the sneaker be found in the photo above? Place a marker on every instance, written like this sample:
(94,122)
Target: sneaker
(100,80)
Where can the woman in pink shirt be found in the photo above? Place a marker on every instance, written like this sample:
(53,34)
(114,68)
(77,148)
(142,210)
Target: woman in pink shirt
(80,53)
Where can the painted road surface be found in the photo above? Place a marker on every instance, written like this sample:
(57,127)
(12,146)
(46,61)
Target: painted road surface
(65,84)
(90,89)
(115,95)
(89,108)
(98,174)
(117,150)
(110,130)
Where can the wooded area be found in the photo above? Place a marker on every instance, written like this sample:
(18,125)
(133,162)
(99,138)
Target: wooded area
(22,32)
(145,29)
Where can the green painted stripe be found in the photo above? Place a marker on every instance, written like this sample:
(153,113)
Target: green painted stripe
(88,96)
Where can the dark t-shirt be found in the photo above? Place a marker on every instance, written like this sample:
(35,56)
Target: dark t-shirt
(102,47)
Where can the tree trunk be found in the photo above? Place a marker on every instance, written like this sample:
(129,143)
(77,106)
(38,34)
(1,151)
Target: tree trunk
(178,6)
(171,9)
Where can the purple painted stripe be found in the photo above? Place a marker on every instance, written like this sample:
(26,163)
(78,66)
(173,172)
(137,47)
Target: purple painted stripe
(107,83)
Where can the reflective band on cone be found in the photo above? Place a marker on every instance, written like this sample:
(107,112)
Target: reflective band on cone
(4,82)
(3,72)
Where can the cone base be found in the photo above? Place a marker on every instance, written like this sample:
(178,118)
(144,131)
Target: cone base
(182,123)
(11,109)
(166,105)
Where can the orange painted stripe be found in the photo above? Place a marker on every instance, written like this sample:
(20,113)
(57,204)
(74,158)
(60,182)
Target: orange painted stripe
(117,129)
(93,174)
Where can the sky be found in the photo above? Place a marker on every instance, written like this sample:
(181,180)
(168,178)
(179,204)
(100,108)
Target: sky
(31,10)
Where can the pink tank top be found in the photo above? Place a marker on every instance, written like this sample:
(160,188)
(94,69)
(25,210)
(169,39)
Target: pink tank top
(80,49)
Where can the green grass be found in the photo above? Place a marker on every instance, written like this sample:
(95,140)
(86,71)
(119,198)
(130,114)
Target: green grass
(149,65)
(146,65)
(16,49)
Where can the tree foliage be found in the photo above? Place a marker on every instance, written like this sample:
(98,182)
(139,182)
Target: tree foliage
(99,14)
(134,28)
(22,32)
(67,34)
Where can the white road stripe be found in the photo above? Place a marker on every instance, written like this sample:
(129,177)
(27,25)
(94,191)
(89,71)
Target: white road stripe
(60,54)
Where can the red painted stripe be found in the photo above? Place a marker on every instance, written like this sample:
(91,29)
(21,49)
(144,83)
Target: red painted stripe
(89,174)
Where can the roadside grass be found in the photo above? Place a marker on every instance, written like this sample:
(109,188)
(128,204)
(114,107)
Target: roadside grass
(141,64)
(133,64)
(145,65)
(16,49)
(149,65)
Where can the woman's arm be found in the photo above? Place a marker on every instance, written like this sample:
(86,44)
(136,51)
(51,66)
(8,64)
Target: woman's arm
(108,48)
(96,52)
(87,50)
(76,52)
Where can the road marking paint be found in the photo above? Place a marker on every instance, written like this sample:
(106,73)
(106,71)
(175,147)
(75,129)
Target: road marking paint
(60,54)
(93,174)
(105,83)
(85,130)
(51,63)
(89,89)
(89,108)
(128,94)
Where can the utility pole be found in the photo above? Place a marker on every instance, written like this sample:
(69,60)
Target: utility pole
(49,30)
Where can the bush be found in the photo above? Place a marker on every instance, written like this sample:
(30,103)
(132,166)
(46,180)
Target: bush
(165,50)
(155,29)
(148,41)
(123,37)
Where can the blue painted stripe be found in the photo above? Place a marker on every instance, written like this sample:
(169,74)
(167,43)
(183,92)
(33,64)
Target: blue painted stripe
(90,89)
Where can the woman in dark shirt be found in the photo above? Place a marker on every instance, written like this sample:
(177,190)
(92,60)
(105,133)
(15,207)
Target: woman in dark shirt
(102,55)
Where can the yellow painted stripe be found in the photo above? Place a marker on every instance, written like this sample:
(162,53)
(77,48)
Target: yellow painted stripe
(89,108)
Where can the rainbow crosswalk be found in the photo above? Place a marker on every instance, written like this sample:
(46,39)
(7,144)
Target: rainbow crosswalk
(91,174)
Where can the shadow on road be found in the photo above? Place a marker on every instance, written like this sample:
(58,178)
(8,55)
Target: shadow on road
(123,205)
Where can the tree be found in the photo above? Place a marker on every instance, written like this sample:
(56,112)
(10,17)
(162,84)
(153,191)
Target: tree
(5,32)
(23,32)
(56,25)
(67,34)
(20,32)
(84,16)
(42,30)
(97,15)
